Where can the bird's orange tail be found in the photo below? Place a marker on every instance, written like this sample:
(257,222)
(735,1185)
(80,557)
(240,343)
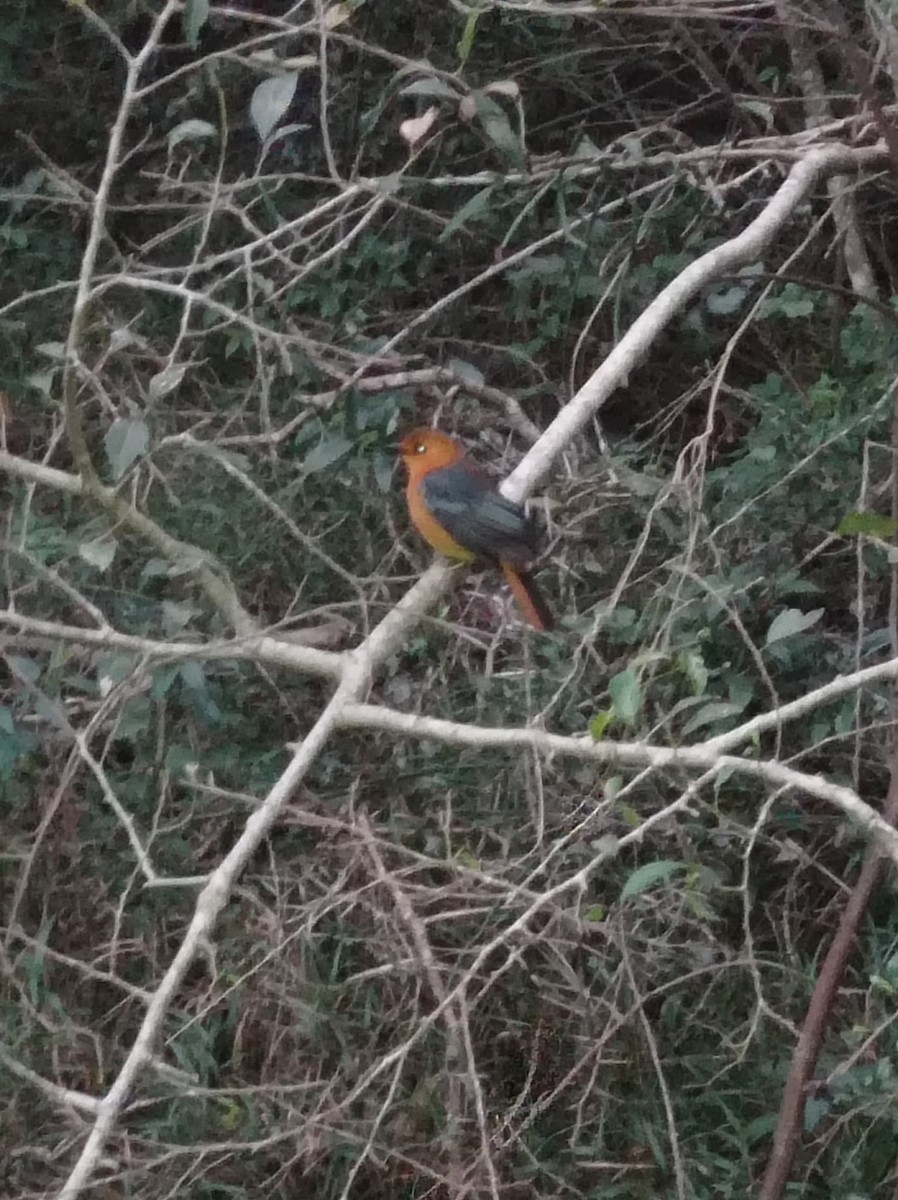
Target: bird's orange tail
(529,599)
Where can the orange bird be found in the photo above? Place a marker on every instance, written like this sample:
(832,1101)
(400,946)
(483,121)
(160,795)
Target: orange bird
(456,508)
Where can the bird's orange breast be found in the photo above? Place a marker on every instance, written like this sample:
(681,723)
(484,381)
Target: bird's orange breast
(430,528)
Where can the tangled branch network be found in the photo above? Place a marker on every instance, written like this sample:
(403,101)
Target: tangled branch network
(808,161)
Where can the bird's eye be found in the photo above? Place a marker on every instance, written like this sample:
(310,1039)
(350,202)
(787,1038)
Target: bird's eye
(420,448)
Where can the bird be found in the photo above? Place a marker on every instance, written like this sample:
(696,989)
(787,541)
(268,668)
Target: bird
(458,510)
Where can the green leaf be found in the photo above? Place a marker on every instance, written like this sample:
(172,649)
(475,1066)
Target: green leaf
(430,89)
(716,711)
(339,14)
(166,380)
(329,450)
(99,553)
(693,667)
(626,695)
(53,712)
(760,109)
(612,786)
(760,1127)
(541,268)
(477,206)
(648,875)
(384,471)
(466,41)
(465,370)
(815,1109)
(797,308)
(194,17)
(497,128)
(126,439)
(26,668)
(629,815)
(599,724)
(270,102)
(586,148)
(178,758)
(163,678)
(687,704)
(793,302)
(233,1116)
(639,483)
(12,748)
(726,300)
(177,616)
(467,859)
(723,776)
(870,524)
(191,131)
(192,674)
(42,381)
(388,185)
(14,236)
(154,568)
(111,669)
(790,622)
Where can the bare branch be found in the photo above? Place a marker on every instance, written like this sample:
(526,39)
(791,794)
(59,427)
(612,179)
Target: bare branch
(209,904)
(704,757)
(636,343)
(63,1097)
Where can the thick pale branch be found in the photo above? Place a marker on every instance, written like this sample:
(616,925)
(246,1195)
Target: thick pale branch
(209,904)
(21,468)
(808,74)
(282,652)
(83,295)
(704,756)
(636,343)
(65,1097)
(633,754)
(260,648)
(212,579)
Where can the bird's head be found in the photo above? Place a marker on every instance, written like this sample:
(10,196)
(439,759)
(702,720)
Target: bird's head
(427,449)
